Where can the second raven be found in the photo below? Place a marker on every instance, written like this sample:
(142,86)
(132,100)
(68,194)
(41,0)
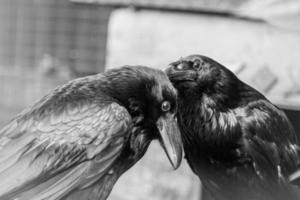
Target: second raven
(240,145)
(79,139)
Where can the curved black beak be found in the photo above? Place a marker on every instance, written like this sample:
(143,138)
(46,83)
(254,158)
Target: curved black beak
(170,138)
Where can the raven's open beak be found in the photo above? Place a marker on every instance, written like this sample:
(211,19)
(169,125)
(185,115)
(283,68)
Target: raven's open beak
(170,139)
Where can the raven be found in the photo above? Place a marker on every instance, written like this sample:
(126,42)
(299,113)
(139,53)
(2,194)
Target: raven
(239,144)
(77,141)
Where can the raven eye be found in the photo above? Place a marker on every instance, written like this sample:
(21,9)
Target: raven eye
(182,66)
(196,65)
(165,106)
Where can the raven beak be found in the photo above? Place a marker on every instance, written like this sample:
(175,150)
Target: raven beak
(170,139)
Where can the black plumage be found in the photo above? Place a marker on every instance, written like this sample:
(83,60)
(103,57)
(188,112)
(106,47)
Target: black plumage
(239,144)
(78,140)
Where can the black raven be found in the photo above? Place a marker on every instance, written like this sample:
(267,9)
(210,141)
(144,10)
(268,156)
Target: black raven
(239,144)
(77,141)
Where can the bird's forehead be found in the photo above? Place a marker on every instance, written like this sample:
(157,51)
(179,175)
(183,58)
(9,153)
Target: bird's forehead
(162,91)
(189,61)
(192,58)
(156,91)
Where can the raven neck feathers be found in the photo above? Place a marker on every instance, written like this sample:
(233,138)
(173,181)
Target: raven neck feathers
(212,118)
(208,127)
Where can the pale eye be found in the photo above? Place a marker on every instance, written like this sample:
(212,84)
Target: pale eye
(165,106)
(182,66)
(196,65)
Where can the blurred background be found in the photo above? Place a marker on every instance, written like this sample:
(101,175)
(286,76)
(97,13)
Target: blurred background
(46,43)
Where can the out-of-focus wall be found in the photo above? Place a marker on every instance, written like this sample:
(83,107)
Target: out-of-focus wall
(46,43)
(75,34)
(266,57)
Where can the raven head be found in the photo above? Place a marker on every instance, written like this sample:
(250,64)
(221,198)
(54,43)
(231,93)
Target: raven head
(200,77)
(151,100)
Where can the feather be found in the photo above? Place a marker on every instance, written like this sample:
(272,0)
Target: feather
(49,160)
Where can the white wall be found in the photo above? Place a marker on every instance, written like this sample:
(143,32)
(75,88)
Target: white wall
(156,38)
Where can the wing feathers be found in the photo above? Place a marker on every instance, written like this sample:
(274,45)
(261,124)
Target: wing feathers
(269,138)
(60,152)
(20,173)
(62,185)
(11,147)
(54,187)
